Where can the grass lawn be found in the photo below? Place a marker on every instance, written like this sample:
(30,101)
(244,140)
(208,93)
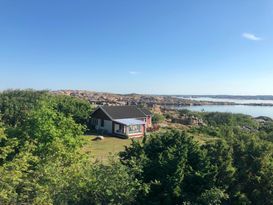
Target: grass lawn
(102,149)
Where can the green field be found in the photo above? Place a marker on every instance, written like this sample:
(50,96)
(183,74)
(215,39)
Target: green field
(102,149)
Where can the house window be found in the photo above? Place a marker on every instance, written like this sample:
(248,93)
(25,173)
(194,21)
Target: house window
(102,123)
(135,129)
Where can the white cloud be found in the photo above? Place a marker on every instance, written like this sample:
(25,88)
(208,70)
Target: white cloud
(251,36)
(134,72)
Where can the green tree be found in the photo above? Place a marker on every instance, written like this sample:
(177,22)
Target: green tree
(14,166)
(157,118)
(16,104)
(175,167)
(253,159)
(27,151)
(79,109)
(220,154)
(113,183)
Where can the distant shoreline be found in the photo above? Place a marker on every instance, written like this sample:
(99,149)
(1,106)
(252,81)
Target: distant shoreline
(237,97)
(231,100)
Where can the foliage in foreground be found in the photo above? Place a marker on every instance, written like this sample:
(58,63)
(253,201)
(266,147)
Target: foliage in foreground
(233,171)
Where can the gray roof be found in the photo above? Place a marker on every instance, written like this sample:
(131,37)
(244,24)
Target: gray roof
(122,112)
(146,112)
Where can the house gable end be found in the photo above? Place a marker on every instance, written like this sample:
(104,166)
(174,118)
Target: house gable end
(100,114)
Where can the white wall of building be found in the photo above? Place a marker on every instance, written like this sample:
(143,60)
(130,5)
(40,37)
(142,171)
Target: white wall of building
(107,126)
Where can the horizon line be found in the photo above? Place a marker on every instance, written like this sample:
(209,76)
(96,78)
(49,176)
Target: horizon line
(130,93)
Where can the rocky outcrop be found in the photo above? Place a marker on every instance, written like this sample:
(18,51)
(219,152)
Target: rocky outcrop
(188,120)
(263,119)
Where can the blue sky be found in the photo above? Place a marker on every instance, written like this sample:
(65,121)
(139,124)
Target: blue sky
(143,46)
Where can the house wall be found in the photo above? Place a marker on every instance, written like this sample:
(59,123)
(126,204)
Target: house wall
(107,126)
(110,127)
(149,121)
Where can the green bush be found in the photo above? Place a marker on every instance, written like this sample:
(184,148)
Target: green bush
(157,118)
